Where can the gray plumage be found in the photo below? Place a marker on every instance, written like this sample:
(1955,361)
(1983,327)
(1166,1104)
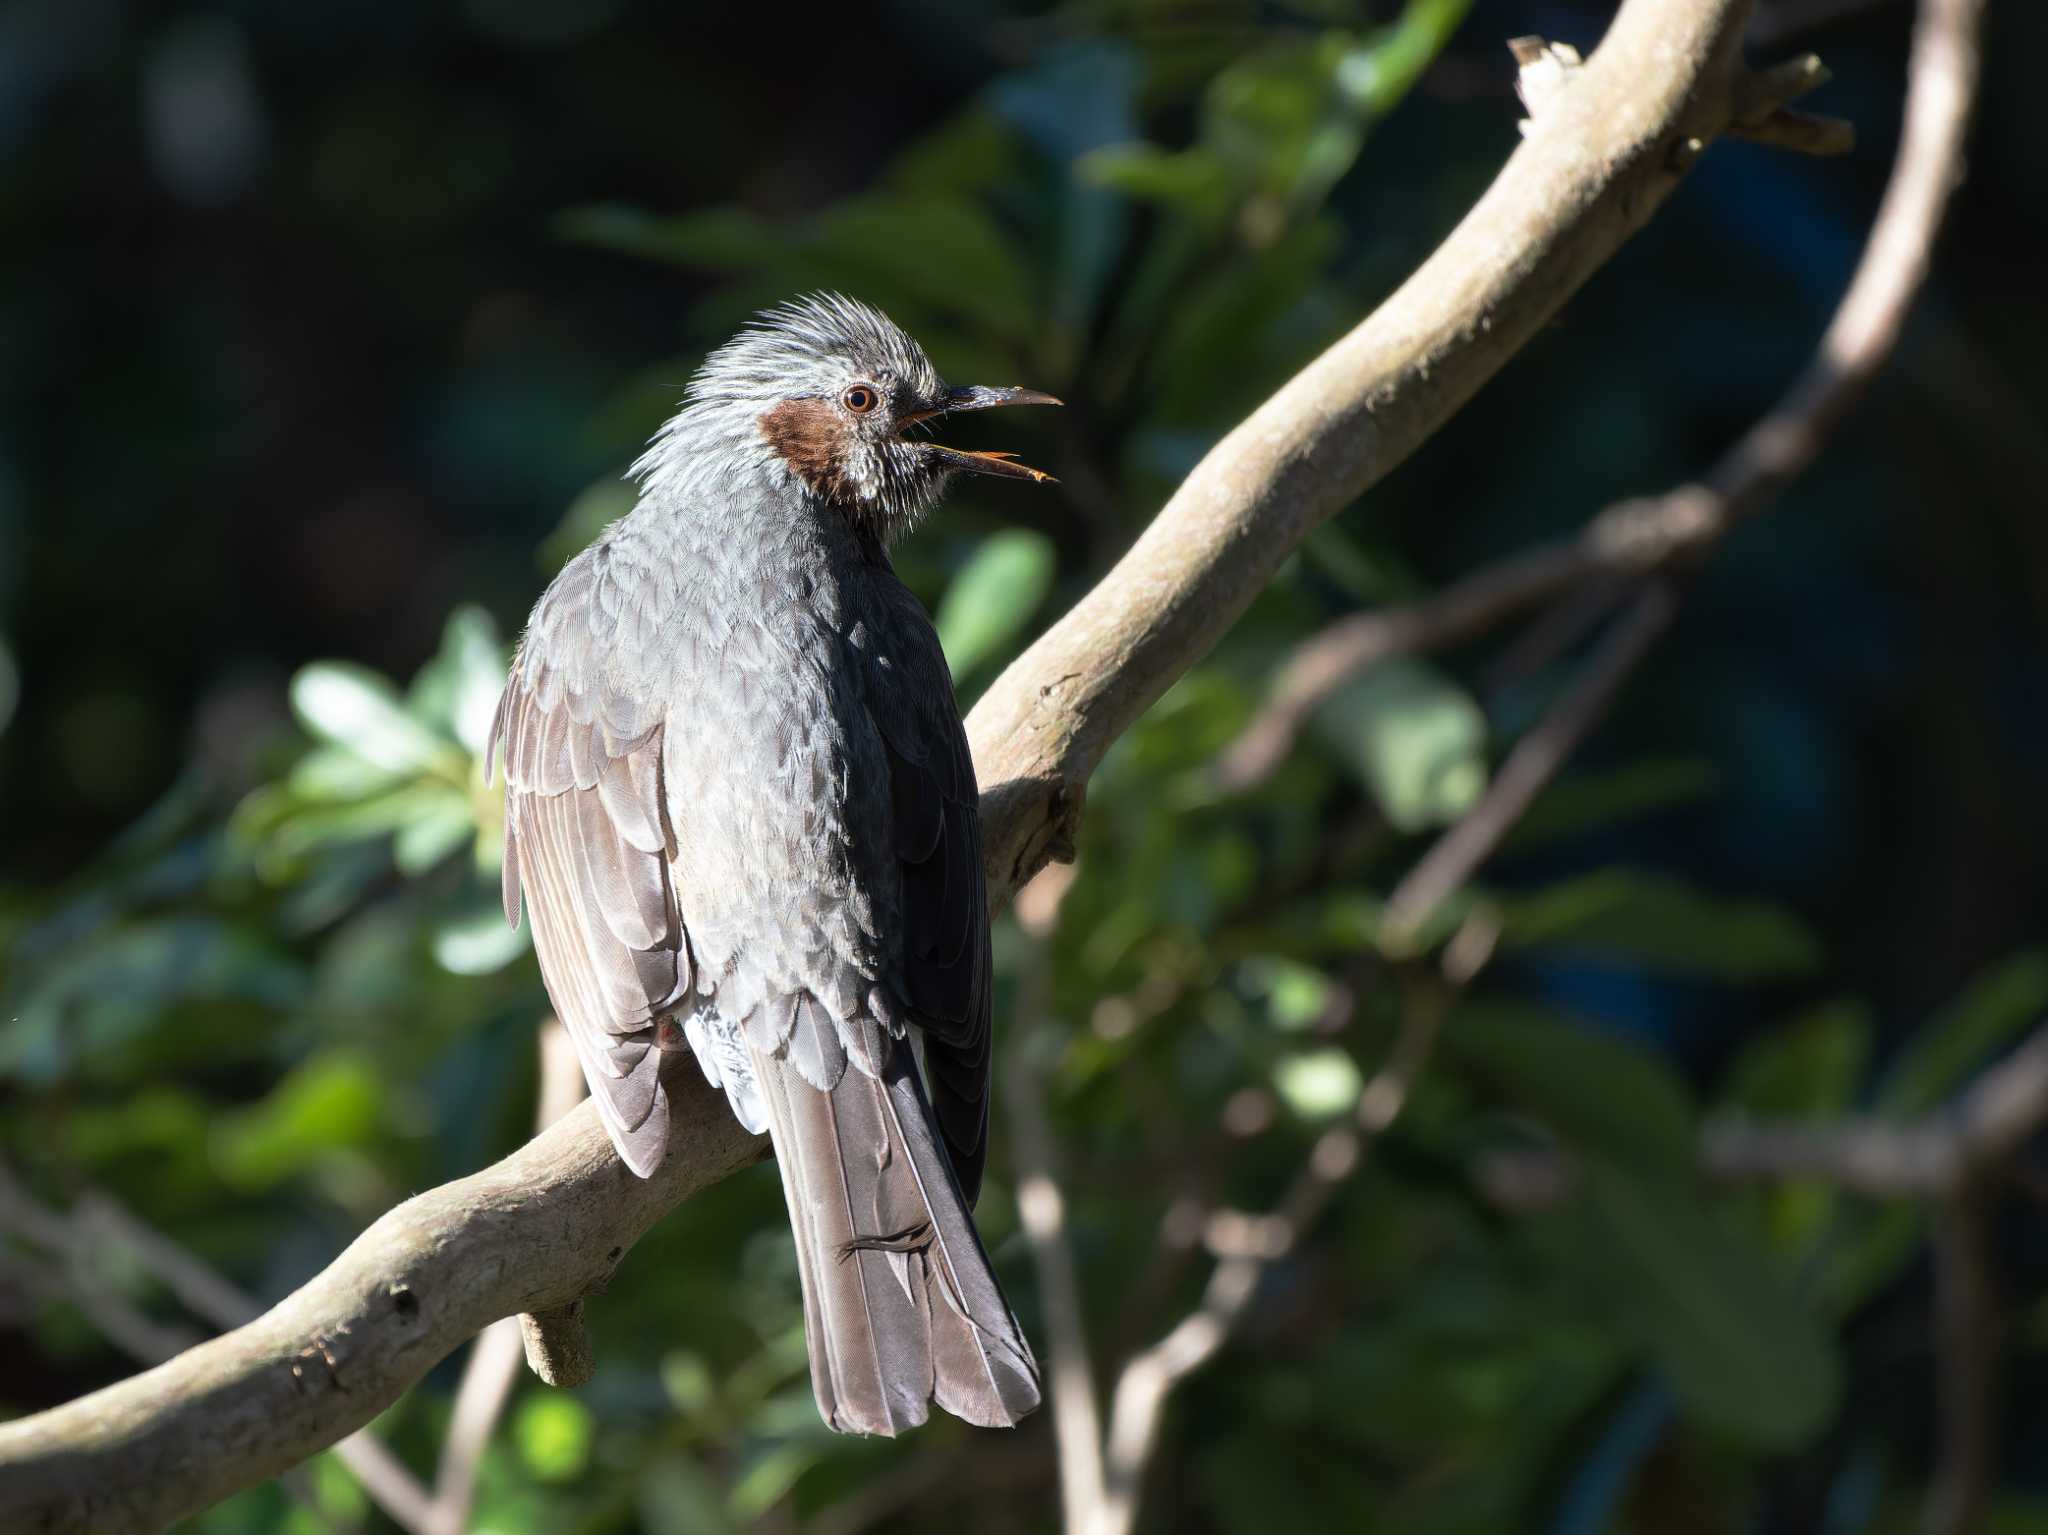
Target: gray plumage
(742,812)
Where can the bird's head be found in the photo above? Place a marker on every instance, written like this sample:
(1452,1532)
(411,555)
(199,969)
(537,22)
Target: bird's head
(843,398)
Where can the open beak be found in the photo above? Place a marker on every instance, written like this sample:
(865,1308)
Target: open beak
(981,397)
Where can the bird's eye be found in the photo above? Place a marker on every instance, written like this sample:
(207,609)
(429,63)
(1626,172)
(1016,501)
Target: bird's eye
(860,398)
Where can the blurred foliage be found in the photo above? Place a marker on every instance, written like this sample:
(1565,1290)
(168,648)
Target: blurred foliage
(284,996)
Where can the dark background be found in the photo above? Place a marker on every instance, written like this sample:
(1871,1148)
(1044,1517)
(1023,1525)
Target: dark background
(315,320)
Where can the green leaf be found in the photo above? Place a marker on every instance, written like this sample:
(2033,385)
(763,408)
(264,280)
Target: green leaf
(336,775)
(1318,1084)
(479,941)
(554,1433)
(1377,74)
(1601,1092)
(1193,181)
(680,1497)
(436,829)
(353,707)
(727,239)
(459,687)
(1809,1068)
(2000,1005)
(767,1477)
(331,1101)
(1593,800)
(1664,923)
(1296,994)
(994,596)
(1740,1352)
(957,261)
(1414,738)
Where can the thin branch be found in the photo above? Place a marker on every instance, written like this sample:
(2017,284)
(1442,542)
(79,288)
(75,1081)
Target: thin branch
(1253,1243)
(487,1382)
(1041,1207)
(1636,538)
(1937,1157)
(1528,770)
(544,1227)
(1966,1356)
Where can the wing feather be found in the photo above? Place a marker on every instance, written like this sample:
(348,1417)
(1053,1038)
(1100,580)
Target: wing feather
(587,847)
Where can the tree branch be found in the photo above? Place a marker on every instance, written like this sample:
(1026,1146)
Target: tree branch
(1605,151)
(1250,1244)
(1457,855)
(543,1228)
(1041,1208)
(1634,539)
(1937,1157)
(532,1233)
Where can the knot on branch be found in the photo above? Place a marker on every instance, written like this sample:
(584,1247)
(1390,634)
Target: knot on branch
(558,1345)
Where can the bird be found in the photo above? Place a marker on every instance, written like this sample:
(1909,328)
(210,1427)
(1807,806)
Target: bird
(740,811)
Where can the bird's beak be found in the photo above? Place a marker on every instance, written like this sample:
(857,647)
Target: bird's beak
(981,397)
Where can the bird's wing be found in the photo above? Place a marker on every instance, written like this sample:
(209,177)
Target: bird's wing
(934,813)
(588,838)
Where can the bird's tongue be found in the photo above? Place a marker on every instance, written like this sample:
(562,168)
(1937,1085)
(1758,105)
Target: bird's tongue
(994,462)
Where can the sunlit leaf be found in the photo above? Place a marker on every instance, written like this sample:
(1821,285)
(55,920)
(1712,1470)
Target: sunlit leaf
(1415,739)
(554,1433)
(459,687)
(1318,1084)
(994,597)
(439,827)
(1190,180)
(353,707)
(1296,994)
(479,941)
(337,775)
(331,1101)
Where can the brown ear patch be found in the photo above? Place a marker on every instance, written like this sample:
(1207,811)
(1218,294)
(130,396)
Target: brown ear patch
(812,439)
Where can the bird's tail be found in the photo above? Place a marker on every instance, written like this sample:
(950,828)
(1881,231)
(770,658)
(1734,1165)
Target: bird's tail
(900,1305)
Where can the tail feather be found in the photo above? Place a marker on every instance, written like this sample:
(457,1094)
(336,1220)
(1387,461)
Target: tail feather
(901,1307)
